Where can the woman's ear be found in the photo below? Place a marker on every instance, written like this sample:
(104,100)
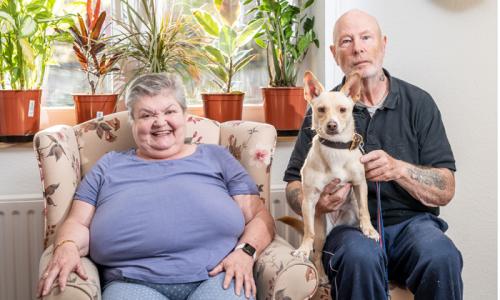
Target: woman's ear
(352,87)
(312,87)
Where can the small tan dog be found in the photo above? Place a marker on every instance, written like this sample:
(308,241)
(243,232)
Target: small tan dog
(334,154)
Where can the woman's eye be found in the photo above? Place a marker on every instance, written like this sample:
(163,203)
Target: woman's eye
(169,112)
(145,116)
(365,37)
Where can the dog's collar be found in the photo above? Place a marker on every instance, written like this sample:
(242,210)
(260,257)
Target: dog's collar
(357,139)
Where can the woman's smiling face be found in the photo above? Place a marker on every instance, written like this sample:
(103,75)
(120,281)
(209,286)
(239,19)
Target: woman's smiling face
(159,126)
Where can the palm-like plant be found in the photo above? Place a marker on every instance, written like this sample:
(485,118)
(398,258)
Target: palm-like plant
(170,44)
(92,47)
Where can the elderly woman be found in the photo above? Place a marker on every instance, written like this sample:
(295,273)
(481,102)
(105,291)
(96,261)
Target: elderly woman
(166,220)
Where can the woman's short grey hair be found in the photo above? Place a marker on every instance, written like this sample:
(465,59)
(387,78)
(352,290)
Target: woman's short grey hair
(152,85)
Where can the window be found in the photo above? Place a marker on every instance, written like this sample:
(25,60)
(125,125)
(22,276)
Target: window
(65,78)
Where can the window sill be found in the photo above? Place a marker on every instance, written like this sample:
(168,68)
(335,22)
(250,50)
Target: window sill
(50,116)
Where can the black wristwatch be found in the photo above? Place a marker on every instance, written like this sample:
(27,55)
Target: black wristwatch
(248,249)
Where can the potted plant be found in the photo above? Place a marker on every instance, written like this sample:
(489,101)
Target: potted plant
(171,43)
(225,57)
(288,33)
(27,31)
(92,48)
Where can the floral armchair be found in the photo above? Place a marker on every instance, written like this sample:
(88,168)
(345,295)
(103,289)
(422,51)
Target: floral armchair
(66,153)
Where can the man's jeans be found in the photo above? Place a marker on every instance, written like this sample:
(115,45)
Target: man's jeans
(419,256)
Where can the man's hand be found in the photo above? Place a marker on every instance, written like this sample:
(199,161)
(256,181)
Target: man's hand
(332,197)
(380,166)
(239,265)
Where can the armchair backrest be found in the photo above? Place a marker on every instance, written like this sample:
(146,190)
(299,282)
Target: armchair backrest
(65,154)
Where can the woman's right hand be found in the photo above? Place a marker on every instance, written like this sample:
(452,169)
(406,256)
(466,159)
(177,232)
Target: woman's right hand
(65,259)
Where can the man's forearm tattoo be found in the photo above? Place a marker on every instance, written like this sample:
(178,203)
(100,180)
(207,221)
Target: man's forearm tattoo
(427,177)
(294,201)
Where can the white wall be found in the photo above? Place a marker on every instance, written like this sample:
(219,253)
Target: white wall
(449,48)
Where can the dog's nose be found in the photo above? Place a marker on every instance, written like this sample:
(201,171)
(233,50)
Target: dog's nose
(331,126)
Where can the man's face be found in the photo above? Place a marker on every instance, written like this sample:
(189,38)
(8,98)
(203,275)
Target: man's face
(358,45)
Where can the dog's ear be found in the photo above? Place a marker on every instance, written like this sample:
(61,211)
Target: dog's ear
(352,87)
(312,87)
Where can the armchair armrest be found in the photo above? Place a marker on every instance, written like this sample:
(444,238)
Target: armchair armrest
(58,158)
(76,288)
(279,275)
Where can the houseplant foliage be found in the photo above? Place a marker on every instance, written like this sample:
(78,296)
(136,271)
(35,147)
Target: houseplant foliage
(226,55)
(171,43)
(27,32)
(92,47)
(94,51)
(288,33)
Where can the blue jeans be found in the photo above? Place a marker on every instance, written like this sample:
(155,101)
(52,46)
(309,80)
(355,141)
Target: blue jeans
(202,290)
(419,256)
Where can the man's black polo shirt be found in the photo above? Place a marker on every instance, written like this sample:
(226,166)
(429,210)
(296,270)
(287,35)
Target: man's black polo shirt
(408,127)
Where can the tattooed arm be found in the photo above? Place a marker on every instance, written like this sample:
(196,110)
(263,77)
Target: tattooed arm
(294,196)
(431,186)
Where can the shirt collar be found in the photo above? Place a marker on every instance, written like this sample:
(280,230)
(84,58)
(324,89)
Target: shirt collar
(391,99)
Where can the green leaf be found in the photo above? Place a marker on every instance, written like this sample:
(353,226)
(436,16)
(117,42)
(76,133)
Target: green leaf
(218,72)
(217,4)
(249,32)
(243,62)
(304,42)
(308,24)
(28,27)
(215,55)
(227,40)
(246,2)
(260,42)
(27,52)
(206,21)
(7,17)
(308,3)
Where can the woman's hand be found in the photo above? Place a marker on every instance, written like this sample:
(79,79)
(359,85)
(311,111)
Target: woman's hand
(239,265)
(65,259)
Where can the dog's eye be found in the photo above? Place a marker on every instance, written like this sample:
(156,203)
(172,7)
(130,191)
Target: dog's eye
(343,109)
(321,109)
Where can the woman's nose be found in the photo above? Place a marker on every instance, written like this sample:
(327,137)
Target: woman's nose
(159,120)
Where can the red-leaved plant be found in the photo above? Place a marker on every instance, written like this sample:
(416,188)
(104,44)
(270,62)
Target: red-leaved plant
(92,47)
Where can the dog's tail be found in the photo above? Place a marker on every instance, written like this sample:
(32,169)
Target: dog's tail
(294,223)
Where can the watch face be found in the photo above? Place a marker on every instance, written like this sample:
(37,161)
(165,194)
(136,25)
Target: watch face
(249,249)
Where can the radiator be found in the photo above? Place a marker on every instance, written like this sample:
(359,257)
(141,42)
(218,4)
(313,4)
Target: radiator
(279,208)
(21,238)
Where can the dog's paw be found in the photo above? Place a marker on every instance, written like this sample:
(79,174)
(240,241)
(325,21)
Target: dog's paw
(301,253)
(370,232)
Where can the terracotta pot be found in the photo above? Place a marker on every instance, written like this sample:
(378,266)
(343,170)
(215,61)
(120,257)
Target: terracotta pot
(222,106)
(93,106)
(284,107)
(19,112)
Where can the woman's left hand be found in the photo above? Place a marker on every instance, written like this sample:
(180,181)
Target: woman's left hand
(239,265)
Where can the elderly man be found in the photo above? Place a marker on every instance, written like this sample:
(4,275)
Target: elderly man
(409,154)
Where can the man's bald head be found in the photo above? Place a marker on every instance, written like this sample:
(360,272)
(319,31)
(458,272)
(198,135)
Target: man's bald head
(355,15)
